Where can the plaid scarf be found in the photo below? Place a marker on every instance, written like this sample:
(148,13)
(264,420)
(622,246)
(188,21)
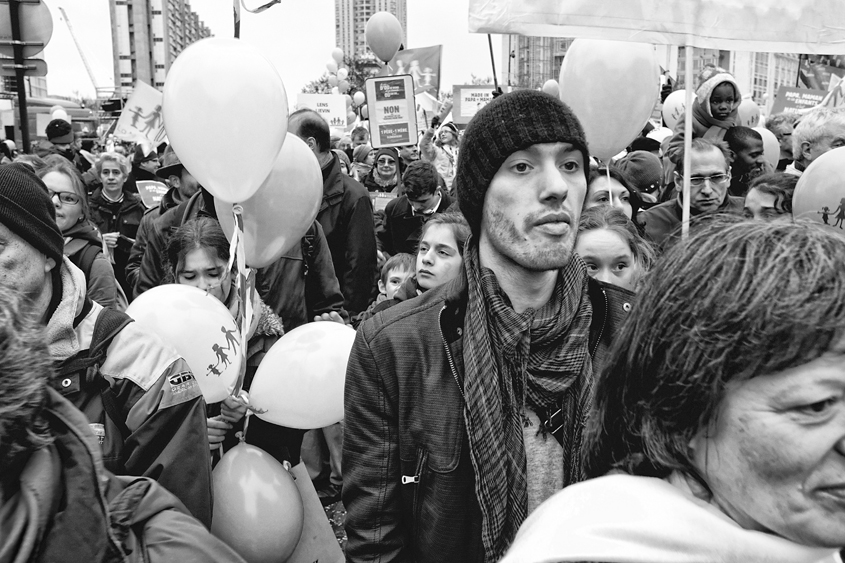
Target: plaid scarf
(512,361)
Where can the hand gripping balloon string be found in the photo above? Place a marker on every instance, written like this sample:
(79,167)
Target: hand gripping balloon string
(245,284)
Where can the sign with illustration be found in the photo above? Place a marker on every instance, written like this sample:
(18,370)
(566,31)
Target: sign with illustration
(422,63)
(468,99)
(141,116)
(393,117)
(331,106)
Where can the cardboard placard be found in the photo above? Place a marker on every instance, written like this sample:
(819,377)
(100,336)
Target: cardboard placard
(332,107)
(317,544)
(792,100)
(151,192)
(392,111)
(141,118)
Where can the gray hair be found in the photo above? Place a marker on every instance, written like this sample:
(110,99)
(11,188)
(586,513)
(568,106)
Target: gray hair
(815,126)
(116,157)
(739,299)
(778,119)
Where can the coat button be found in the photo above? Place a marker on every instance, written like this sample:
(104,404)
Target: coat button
(626,307)
(66,382)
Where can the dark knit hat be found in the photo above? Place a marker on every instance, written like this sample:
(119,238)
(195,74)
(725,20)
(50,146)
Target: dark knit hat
(509,123)
(389,151)
(26,210)
(59,132)
(643,168)
(359,153)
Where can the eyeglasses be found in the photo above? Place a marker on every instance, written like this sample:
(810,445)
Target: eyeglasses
(386,161)
(719,179)
(65,197)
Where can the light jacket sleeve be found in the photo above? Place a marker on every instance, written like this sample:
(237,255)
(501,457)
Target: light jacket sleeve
(371,465)
(168,440)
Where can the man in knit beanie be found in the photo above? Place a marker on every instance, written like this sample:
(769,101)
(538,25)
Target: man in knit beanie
(465,406)
(149,414)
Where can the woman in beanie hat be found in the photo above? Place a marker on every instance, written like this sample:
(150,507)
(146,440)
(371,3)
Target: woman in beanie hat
(83,244)
(384,175)
(443,152)
(466,405)
(363,157)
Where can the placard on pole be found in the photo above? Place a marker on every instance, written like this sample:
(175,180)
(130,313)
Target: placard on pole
(392,111)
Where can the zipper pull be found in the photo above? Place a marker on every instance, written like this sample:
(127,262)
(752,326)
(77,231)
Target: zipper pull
(410,479)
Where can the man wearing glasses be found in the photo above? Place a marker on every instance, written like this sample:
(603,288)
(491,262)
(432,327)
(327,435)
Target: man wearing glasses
(709,180)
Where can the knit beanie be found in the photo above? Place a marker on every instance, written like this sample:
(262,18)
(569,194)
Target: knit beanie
(359,153)
(643,168)
(509,123)
(26,210)
(389,151)
(59,132)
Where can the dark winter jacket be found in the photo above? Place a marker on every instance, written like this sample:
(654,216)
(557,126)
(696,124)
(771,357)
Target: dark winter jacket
(123,218)
(408,484)
(133,266)
(346,215)
(69,508)
(663,221)
(85,249)
(401,227)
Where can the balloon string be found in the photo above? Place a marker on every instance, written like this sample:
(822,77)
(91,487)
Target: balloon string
(609,191)
(245,284)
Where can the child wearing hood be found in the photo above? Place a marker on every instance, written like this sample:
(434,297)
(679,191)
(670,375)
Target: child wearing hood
(714,111)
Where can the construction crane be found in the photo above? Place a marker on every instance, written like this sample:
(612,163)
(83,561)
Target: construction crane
(79,48)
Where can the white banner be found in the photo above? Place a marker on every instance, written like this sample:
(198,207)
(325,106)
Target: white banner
(331,106)
(794,26)
(141,117)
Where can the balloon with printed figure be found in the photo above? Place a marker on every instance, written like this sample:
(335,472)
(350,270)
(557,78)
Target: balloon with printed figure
(337,55)
(674,107)
(258,511)
(332,80)
(224,88)
(749,113)
(359,98)
(284,207)
(299,383)
(551,88)
(771,146)
(614,104)
(342,74)
(384,35)
(200,328)
(820,193)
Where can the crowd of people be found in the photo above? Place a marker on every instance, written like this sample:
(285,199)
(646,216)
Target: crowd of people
(544,368)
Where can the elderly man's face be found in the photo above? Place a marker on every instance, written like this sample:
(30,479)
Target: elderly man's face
(774,455)
(783,133)
(709,180)
(833,139)
(25,268)
(531,210)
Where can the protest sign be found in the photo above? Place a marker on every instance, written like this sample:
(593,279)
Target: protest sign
(151,192)
(381,199)
(393,117)
(468,99)
(422,63)
(317,544)
(331,106)
(793,100)
(141,117)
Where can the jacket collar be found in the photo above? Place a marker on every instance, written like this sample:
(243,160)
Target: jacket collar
(332,183)
(130,200)
(62,339)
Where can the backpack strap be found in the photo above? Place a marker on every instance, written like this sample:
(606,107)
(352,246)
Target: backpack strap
(109,323)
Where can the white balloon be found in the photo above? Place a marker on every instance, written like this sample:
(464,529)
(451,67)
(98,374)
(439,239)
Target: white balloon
(359,98)
(331,66)
(342,73)
(337,55)
(60,114)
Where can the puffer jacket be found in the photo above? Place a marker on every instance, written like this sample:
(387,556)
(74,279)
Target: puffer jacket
(164,408)
(69,508)
(409,485)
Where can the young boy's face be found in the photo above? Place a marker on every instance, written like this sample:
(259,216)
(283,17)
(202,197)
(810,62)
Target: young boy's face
(395,278)
(722,100)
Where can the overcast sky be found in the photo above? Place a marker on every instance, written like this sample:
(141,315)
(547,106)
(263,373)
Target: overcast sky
(297,36)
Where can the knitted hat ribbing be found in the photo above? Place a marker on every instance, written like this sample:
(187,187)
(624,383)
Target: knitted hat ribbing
(26,210)
(509,123)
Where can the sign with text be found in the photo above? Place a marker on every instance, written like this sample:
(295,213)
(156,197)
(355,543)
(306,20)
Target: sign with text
(793,100)
(468,99)
(393,117)
(331,106)
(151,192)
(141,118)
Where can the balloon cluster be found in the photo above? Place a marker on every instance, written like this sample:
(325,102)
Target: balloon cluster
(58,112)
(339,83)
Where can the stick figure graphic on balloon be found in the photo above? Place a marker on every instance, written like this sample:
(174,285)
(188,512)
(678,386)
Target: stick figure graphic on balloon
(840,214)
(222,358)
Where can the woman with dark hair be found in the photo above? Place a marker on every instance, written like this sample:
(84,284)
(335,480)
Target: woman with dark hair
(612,247)
(83,244)
(198,255)
(770,196)
(718,428)
(609,186)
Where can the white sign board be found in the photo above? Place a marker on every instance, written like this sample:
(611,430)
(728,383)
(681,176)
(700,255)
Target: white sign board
(331,106)
(141,117)
(393,115)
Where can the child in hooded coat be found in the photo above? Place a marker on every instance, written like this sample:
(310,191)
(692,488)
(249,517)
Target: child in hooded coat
(714,111)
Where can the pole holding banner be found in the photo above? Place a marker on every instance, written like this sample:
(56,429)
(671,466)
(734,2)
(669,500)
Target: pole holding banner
(689,51)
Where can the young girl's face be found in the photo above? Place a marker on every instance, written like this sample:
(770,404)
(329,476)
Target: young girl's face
(608,257)
(202,268)
(722,100)
(438,259)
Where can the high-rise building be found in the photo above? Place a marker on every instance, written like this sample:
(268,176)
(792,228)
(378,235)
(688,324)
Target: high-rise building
(350,22)
(147,36)
(529,61)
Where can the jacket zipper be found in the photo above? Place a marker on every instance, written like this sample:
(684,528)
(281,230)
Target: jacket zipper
(603,322)
(449,354)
